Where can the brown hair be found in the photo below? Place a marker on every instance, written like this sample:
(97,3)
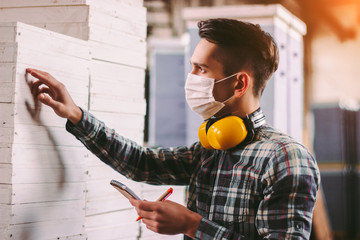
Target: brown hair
(245,45)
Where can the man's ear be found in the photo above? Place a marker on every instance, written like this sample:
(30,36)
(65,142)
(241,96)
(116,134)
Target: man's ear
(242,84)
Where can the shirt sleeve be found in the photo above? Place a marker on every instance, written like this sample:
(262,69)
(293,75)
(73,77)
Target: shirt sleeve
(290,186)
(172,166)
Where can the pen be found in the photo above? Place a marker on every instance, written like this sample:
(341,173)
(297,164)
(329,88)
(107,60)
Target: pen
(161,198)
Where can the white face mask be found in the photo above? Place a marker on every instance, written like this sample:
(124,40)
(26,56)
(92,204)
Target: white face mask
(199,95)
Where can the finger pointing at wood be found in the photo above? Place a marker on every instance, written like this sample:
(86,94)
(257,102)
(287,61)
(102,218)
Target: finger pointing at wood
(44,77)
(55,95)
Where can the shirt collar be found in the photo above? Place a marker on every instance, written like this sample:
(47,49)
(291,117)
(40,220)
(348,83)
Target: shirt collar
(257,118)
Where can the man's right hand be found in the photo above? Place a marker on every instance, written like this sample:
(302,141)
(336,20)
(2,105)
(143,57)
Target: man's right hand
(53,93)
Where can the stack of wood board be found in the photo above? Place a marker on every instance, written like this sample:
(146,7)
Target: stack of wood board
(116,33)
(42,168)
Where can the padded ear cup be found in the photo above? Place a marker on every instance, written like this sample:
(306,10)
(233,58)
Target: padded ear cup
(223,134)
(202,136)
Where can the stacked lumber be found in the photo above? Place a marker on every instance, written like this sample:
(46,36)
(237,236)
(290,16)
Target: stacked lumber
(110,84)
(42,168)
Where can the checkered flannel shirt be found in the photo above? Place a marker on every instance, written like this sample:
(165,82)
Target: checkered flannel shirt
(265,189)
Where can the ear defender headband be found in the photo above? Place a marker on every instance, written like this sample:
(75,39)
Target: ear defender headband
(229,131)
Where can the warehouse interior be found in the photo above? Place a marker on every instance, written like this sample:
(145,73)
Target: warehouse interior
(118,58)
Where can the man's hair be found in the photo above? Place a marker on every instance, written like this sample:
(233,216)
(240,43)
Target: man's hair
(245,46)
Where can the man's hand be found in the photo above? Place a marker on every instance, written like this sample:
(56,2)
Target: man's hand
(53,93)
(167,217)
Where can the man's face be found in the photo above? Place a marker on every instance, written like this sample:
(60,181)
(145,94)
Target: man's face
(204,64)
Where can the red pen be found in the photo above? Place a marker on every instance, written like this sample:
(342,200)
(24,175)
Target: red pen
(161,198)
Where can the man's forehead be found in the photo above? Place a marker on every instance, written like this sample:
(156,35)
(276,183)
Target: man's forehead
(204,53)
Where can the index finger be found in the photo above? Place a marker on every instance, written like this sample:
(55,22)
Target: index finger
(148,206)
(44,77)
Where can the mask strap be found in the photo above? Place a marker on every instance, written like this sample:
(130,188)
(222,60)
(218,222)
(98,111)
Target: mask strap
(226,78)
(228,99)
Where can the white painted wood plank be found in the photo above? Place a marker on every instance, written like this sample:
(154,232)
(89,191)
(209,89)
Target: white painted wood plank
(6,115)
(50,60)
(44,166)
(99,18)
(5,193)
(147,234)
(5,211)
(120,121)
(4,232)
(12,72)
(8,52)
(72,237)
(119,3)
(113,80)
(6,135)
(119,10)
(39,135)
(7,92)
(41,212)
(46,192)
(117,104)
(114,231)
(103,172)
(117,55)
(47,230)
(111,72)
(19,114)
(43,3)
(5,173)
(130,91)
(106,204)
(52,43)
(124,217)
(5,153)
(37,156)
(118,39)
(56,14)
(7,71)
(38,3)
(28,36)
(7,32)
(47,175)
(77,30)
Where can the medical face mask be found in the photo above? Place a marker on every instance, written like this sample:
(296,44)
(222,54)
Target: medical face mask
(199,95)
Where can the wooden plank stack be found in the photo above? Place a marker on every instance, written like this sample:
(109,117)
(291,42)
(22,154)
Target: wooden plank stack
(104,70)
(42,168)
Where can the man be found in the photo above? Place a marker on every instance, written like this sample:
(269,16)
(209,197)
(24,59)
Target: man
(262,187)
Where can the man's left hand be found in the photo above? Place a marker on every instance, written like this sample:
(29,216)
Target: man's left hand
(167,217)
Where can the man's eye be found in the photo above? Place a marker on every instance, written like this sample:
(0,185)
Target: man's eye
(202,70)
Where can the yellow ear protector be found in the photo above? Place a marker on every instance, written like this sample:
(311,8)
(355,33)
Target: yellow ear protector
(225,133)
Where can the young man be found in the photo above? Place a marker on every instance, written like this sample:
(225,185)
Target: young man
(263,187)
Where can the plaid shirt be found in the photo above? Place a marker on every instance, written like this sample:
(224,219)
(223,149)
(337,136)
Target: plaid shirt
(265,189)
